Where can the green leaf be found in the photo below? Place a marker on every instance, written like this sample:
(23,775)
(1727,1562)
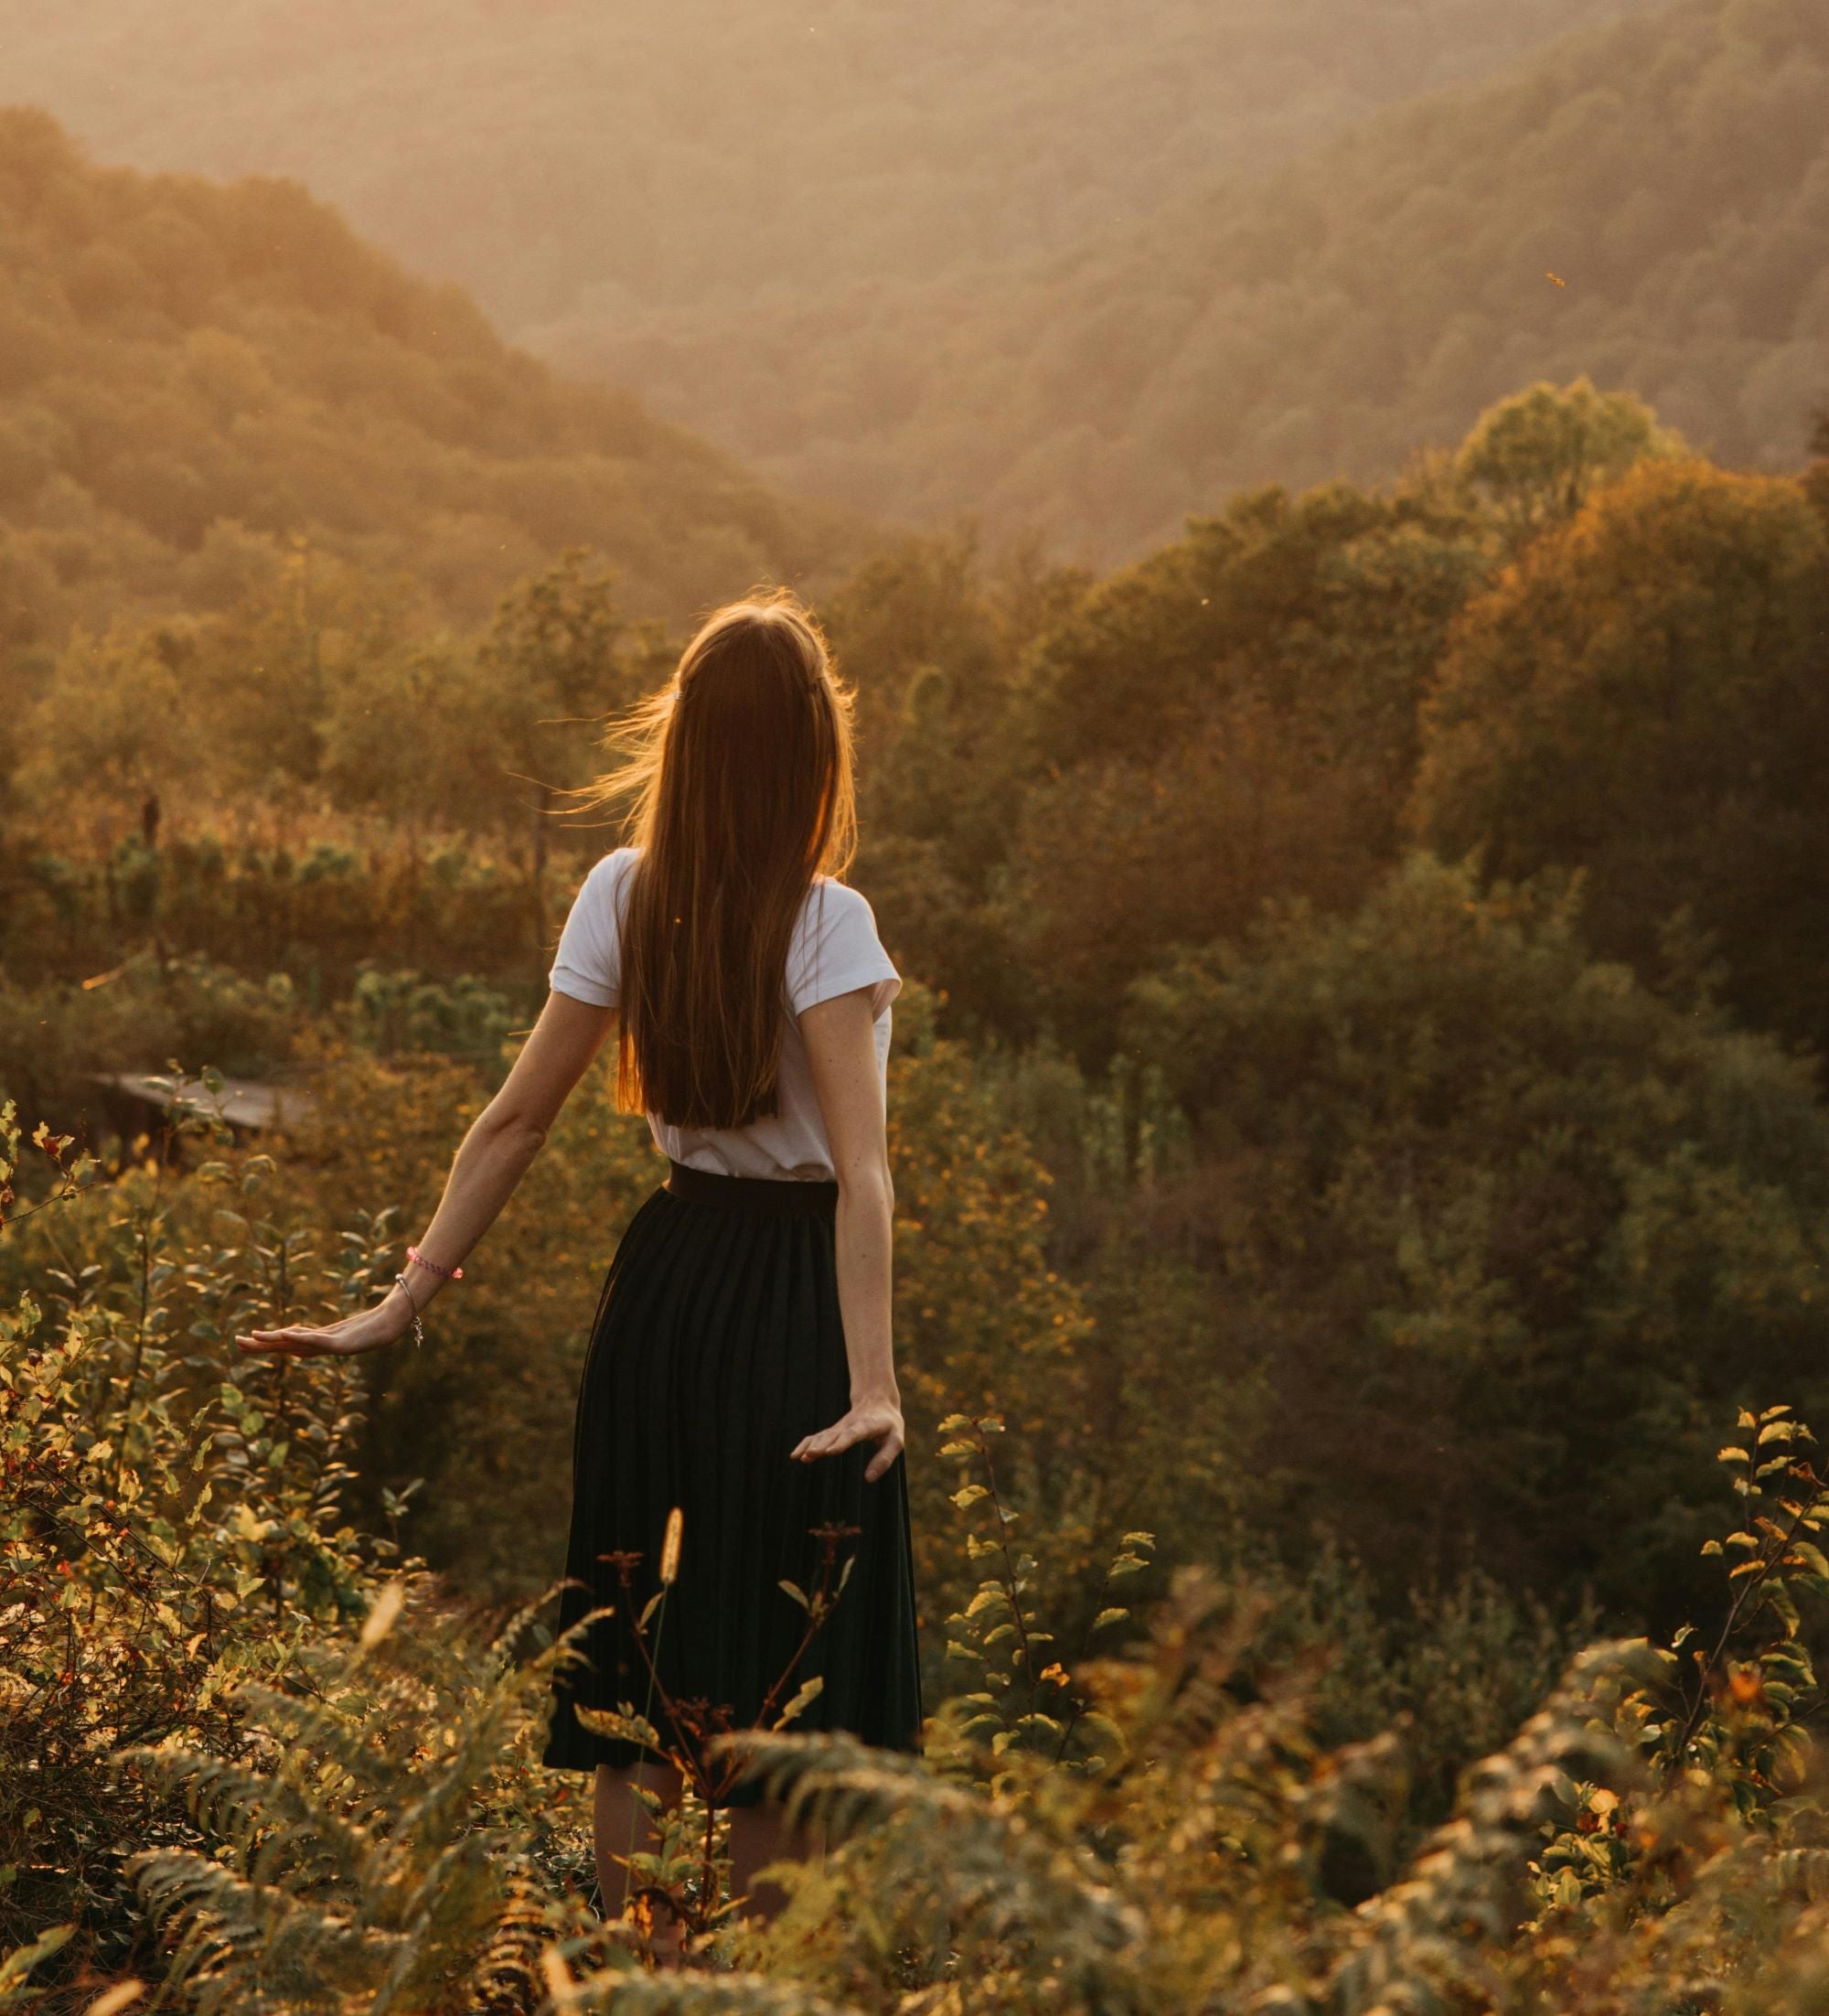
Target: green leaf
(809,1694)
(1116,1613)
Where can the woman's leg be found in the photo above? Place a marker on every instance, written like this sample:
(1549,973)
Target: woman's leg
(759,1834)
(621,1825)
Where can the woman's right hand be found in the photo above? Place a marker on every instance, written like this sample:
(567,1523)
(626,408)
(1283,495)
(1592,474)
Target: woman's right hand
(386,1322)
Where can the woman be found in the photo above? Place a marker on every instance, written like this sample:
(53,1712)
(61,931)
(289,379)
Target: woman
(740,1364)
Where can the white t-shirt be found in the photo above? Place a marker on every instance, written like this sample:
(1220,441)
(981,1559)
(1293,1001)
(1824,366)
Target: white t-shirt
(834,948)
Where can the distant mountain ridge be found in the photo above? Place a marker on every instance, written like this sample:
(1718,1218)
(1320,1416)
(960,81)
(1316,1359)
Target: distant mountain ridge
(1646,202)
(920,260)
(732,150)
(188,369)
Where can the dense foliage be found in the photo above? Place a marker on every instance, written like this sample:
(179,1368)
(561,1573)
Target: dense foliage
(1685,615)
(1240,1145)
(198,377)
(296,1780)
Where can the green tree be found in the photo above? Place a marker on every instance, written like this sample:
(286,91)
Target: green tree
(115,723)
(1538,456)
(559,652)
(1231,718)
(1643,696)
(1505,1232)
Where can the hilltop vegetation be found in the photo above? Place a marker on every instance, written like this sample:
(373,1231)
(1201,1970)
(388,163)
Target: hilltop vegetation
(1645,202)
(197,377)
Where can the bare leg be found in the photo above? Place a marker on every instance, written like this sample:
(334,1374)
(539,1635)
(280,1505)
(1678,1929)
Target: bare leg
(759,1834)
(621,1826)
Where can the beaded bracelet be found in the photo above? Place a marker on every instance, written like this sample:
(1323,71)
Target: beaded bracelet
(432,1267)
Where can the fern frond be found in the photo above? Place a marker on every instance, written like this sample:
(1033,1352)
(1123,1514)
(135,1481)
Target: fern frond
(1429,1938)
(959,1863)
(15,1966)
(254,1816)
(620,1993)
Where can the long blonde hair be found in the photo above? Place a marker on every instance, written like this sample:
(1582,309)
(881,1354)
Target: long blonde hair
(740,768)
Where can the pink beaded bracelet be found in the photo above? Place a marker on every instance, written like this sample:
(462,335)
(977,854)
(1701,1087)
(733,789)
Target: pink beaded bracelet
(419,1258)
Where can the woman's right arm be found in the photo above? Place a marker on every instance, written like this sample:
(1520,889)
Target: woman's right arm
(493,1157)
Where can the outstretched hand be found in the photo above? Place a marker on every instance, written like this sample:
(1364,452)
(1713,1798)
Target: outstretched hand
(385,1323)
(869,1420)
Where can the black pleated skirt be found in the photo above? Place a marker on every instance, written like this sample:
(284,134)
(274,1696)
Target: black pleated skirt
(717,1345)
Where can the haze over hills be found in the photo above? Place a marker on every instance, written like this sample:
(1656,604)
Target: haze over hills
(702,151)
(191,371)
(1646,202)
(654,191)
(927,259)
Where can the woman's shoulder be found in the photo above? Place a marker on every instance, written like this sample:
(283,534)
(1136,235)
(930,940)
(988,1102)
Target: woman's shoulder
(830,889)
(610,868)
(600,893)
(830,904)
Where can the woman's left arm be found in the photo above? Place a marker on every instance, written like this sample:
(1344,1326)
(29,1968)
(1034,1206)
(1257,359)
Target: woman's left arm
(493,1157)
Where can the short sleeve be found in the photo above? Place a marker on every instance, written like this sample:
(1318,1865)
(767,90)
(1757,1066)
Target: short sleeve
(835,949)
(587,965)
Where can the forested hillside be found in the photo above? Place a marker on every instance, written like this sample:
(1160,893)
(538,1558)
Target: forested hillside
(1647,202)
(1085,282)
(715,151)
(192,372)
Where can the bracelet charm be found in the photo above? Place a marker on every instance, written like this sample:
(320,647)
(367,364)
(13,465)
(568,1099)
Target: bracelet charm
(418,1327)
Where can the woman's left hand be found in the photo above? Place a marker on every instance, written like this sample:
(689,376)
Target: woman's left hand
(869,1420)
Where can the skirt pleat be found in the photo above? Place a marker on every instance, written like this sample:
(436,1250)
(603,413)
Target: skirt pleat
(716,1345)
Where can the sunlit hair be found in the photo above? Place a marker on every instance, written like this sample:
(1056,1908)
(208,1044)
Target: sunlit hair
(737,775)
